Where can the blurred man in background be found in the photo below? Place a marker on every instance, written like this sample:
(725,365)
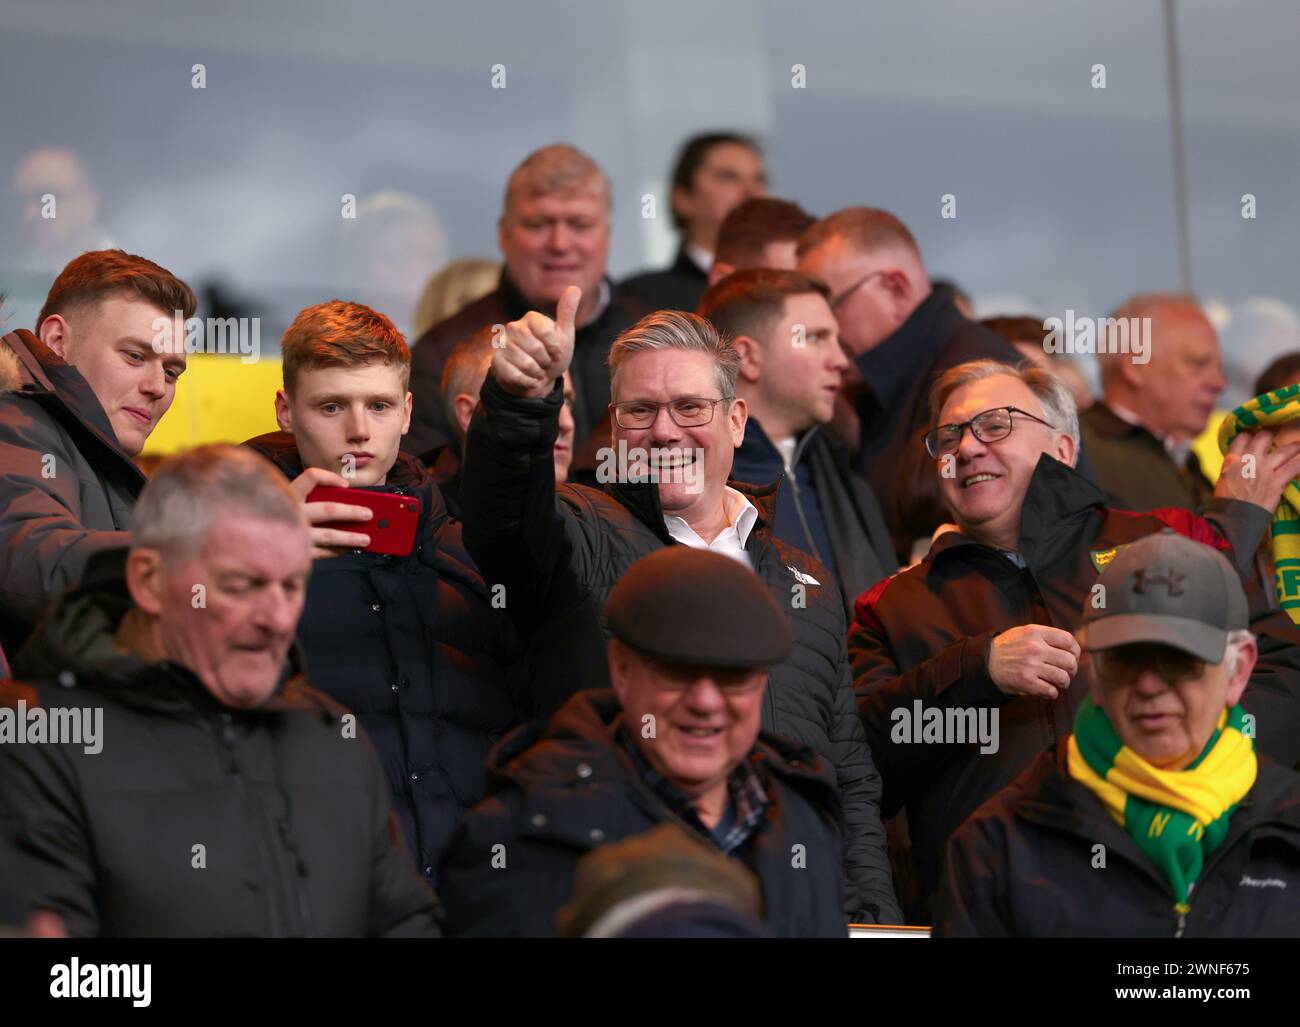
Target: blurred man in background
(553,233)
(1154,404)
(762,232)
(902,335)
(713,173)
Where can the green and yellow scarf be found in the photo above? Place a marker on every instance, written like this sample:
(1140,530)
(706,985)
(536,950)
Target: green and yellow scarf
(1268,411)
(1176,817)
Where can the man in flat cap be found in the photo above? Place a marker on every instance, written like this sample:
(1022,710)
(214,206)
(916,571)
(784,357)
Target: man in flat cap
(676,741)
(1156,817)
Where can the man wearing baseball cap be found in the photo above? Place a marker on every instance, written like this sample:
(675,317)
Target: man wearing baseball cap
(675,741)
(1156,817)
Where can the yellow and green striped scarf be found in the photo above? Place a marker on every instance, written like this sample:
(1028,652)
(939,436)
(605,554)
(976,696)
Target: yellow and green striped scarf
(1269,411)
(1176,817)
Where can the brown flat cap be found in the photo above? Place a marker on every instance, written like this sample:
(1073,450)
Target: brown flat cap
(692,606)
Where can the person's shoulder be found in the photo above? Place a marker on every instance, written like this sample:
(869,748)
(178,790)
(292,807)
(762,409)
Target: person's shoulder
(25,422)
(973,341)
(470,318)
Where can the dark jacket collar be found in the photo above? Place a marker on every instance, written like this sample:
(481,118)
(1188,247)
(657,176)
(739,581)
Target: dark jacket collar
(76,637)
(1058,501)
(60,388)
(683,265)
(894,365)
(281,449)
(758,447)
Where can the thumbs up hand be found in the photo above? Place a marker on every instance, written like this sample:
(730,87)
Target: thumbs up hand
(535,350)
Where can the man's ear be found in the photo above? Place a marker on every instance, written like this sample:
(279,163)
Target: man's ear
(56,333)
(750,352)
(144,579)
(718,271)
(463,403)
(406,414)
(501,233)
(1066,449)
(901,291)
(1248,653)
(1129,373)
(737,417)
(676,198)
(283,414)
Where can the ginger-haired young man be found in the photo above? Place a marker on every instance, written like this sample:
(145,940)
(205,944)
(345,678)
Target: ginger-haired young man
(411,643)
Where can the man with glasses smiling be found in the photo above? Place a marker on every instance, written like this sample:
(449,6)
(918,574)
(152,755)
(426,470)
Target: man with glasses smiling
(1201,835)
(987,619)
(558,550)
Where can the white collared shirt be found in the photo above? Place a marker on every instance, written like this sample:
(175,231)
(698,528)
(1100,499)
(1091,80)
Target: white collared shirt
(700,257)
(741,517)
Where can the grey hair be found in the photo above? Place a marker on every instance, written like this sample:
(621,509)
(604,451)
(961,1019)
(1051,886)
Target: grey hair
(1058,404)
(189,490)
(676,329)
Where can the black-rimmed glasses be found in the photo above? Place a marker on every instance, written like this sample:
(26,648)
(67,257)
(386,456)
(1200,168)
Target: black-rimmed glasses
(988,426)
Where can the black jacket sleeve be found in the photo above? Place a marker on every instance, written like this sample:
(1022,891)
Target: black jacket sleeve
(516,530)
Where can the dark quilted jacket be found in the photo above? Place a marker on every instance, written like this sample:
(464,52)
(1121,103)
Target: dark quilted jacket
(559,551)
(559,789)
(414,647)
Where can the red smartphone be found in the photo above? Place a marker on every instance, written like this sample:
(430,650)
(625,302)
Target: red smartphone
(393,522)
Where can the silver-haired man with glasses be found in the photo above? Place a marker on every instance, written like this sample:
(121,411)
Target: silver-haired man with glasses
(981,631)
(557,551)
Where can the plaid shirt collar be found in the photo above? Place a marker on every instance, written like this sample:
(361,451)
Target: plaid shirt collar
(746,796)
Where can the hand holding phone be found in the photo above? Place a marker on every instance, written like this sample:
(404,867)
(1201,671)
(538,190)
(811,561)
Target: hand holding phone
(332,524)
(390,520)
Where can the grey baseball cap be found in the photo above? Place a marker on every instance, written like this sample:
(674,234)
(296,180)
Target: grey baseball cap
(1168,589)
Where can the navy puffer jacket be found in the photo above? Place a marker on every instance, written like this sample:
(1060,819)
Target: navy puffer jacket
(414,647)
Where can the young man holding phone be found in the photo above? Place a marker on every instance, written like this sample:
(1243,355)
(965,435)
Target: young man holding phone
(398,624)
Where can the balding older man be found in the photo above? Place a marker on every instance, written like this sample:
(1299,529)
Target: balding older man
(553,232)
(1156,399)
